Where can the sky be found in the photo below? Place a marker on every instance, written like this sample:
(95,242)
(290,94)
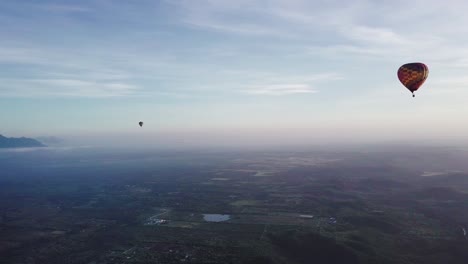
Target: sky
(201,71)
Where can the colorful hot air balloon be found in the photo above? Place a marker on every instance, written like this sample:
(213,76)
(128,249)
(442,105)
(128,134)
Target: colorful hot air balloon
(140,123)
(413,75)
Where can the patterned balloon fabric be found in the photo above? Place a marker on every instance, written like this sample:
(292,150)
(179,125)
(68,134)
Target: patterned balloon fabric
(413,75)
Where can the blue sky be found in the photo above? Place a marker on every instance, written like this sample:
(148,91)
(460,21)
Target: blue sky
(279,70)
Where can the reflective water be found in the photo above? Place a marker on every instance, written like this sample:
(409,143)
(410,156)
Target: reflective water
(216,217)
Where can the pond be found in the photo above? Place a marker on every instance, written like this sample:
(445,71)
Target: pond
(216,217)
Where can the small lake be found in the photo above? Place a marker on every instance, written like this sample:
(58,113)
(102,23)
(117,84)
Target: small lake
(216,217)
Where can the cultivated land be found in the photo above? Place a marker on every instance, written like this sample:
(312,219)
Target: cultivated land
(284,207)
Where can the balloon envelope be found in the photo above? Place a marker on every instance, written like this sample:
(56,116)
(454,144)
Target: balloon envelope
(140,123)
(413,75)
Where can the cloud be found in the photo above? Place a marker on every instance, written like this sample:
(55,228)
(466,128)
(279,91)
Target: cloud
(369,35)
(20,55)
(276,83)
(389,31)
(64,88)
(238,28)
(281,89)
(240,17)
(52,73)
(65,8)
(449,84)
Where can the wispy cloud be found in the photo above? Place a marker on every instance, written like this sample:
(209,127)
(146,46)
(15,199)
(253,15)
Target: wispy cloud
(64,88)
(281,89)
(447,85)
(369,35)
(277,85)
(65,8)
(239,17)
(362,28)
(238,28)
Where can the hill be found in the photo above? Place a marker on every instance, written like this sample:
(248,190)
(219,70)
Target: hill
(19,142)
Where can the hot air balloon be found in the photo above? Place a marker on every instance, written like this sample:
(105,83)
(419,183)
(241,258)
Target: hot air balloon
(140,123)
(413,75)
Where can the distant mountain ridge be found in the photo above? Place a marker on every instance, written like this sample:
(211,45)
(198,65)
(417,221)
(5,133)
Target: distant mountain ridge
(21,142)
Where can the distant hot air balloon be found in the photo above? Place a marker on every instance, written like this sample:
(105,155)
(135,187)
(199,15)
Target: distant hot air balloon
(140,123)
(413,75)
